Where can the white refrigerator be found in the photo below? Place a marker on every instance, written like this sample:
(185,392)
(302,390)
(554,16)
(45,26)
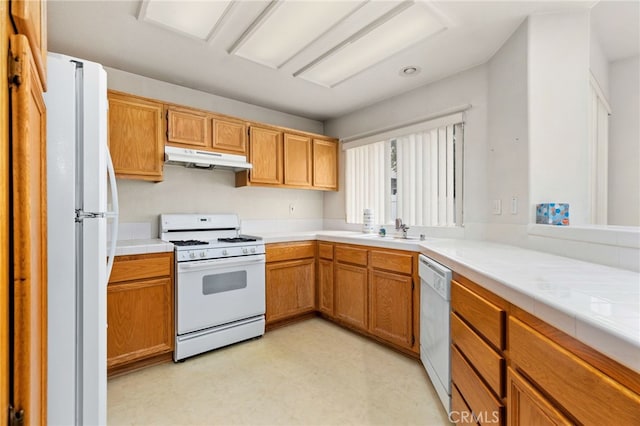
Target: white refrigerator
(78,262)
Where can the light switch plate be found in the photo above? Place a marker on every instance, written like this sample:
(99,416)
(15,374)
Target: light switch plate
(514,205)
(497,207)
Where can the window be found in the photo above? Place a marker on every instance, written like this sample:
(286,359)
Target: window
(415,176)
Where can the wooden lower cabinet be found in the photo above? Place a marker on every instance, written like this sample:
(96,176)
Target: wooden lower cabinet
(290,280)
(374,292)
(140,311)
(478,339)
(527,406)
(325,286)
(391,307)
(290,289)
(351,295)
(551,378)
(576,387)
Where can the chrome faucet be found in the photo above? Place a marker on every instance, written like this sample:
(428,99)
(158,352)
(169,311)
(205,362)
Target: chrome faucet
(401,227)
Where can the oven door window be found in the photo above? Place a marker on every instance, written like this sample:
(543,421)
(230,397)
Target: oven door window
(220,283)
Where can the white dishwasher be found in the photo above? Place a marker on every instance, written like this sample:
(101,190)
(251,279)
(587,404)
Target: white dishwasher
(435,341)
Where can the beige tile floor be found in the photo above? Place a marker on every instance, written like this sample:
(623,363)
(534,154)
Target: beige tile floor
(309,373)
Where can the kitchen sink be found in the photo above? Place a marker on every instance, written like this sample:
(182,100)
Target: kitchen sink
(389,237)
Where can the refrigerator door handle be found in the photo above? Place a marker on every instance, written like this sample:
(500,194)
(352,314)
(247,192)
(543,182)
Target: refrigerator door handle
(114,213)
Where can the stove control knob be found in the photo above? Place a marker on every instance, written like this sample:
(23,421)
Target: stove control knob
(225,253)
(245,251)
(192,255)
(203,254)
(253,249)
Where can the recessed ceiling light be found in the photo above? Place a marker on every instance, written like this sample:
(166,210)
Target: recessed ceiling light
(409,71)
(197,19)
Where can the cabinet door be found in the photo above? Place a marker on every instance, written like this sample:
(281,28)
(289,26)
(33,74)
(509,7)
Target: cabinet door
(30,18)
(325,286)
(265,154)
(188,128)
(350,294)
(229,136)
(325,164)
(526,406)
(140,318)
(390,309)
(29,226)
(136,141)
(290,288)
(297,160)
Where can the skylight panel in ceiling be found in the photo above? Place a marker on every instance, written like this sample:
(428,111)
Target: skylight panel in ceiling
(197,19)
(287,27)
(373,44)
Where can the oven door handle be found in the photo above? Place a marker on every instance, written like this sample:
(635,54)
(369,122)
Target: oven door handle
(212,263)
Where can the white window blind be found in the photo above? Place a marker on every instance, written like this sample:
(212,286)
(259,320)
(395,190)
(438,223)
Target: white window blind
(366,182)
(426,177)
(416,177)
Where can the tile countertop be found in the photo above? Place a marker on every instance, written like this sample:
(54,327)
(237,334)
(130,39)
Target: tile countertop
(128,247)
(597,304)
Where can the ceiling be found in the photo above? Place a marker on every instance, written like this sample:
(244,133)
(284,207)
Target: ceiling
(319,64)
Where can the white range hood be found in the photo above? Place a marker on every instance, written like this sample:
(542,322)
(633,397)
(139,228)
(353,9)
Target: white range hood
(205,159)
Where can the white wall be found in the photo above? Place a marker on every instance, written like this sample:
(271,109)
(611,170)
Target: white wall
(468,87)
(508,128)
(156,89)
(624,143)
(208,191)
(211,191)
(558,67)
(599,64)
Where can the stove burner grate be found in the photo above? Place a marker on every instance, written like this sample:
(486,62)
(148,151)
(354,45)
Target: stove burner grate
(236,240)
(188,243)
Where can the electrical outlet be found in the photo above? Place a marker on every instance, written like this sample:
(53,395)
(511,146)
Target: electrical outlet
(292,209)
(497,207)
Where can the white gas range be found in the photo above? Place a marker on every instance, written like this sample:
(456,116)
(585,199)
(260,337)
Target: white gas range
(220,281)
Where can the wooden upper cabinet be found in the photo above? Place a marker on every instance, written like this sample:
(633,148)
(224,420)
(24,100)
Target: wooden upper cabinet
(297,160)
(136,139)
(29,226)
(229,136)
(188,128)
(265,154)
(30,19)
(325,164)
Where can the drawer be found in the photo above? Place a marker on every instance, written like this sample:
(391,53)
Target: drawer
(392,261)
(589,396)
(353,255)
(487,362)
(139,267)
(485,317)
(290,251)
(460,412)
(478,397)
(325,251)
